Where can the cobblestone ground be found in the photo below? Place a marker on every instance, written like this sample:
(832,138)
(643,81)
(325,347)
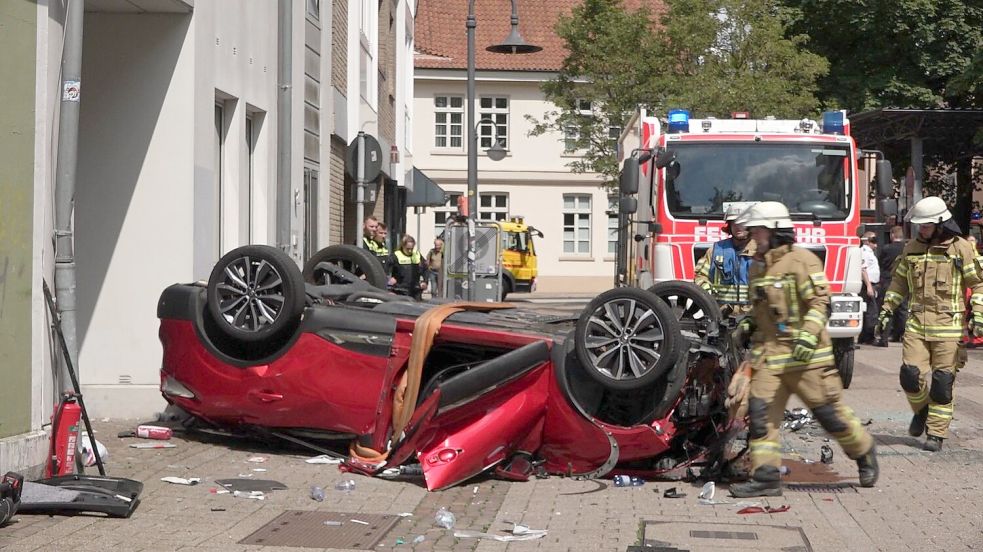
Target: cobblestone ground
(923,501)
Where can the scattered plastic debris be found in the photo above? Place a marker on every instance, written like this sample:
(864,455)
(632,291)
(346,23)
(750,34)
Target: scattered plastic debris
(708,491)
(347,485)
(181,480)
(399,541)
(358,521)
(331,523)
(671,492)
(404,514)
(245,475)
(826,454)
(419,539)
(152,445)
(259,470)
(256,459)
(323,459)
(764,509)
(628,481)
(519,533)
(255,495)
(444,518)
(85,450)
(784,470)
(317,493)
(214,490)
(797,418)
(475,490)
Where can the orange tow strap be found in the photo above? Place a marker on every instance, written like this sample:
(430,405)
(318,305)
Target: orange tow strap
(408,390)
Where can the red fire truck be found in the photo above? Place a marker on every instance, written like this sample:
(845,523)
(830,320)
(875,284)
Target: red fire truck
(679,180)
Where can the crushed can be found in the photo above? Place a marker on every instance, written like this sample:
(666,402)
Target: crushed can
(826,454)
(154,432)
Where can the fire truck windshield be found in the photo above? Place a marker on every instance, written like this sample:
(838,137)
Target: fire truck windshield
(812,180)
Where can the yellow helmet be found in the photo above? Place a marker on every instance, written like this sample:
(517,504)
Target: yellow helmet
(770,214)
(929,209)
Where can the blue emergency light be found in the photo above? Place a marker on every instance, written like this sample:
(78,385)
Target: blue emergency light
(678,121)
(834,122)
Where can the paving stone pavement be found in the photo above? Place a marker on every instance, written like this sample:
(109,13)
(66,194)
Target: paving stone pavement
(922,502)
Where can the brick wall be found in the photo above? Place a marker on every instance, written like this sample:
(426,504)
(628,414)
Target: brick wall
(336,192)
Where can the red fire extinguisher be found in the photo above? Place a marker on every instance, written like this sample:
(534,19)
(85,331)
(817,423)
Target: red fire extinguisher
(64,437)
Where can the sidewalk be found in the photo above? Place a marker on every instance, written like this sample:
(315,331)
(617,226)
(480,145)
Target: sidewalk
(922,502)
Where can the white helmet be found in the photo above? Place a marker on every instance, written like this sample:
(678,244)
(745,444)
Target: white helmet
(929,209)
(770,214)
(733,211)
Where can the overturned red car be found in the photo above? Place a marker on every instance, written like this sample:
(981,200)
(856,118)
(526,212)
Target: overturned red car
(635,384)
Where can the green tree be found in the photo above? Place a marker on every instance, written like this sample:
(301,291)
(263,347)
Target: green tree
(894,53)
(711,56)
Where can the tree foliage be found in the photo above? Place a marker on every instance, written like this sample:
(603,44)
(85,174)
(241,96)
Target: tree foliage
(895,53)
(711,56)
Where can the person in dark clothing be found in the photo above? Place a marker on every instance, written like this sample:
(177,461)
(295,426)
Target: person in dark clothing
(406,268)
(887,259)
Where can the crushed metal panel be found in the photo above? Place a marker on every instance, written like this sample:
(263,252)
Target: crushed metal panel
(676,535)
(307,529)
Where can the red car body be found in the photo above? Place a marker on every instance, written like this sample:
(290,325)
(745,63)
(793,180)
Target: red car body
(496,386)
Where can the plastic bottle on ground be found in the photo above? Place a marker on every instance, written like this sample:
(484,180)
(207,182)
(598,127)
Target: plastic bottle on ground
(347,485)
(444,518)
(317,493)
(628,481)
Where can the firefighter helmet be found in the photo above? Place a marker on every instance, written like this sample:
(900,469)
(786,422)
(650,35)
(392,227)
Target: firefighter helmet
(732,213)
(929,209)
(770,214)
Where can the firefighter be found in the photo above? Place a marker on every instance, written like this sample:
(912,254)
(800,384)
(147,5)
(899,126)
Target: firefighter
(792,353)
(723,271)
(932,273)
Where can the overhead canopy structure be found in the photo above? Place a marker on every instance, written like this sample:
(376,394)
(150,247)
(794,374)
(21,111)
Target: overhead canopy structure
(945,134)
(425,192)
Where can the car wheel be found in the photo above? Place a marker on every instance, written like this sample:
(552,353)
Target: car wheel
(255,293)
(694,308)
(355,260)
(843,357)
(627,338)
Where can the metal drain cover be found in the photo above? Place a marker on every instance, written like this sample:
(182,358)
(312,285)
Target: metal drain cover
(675,535)
(308,529)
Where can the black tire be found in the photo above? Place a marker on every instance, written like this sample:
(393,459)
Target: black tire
(255,293)
(508,285)
(359,262)
(694,308)
(613,352)
(843,357)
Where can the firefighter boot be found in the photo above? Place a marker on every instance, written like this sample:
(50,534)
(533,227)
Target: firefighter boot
(933,444)
(766,481)
(917,425)
(867,466)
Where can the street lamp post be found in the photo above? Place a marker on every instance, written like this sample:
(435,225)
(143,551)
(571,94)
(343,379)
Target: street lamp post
(513,44)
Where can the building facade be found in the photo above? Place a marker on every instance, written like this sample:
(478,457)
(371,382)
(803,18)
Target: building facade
(573,211)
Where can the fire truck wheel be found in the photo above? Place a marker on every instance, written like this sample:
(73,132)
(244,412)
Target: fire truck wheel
(843,357)
(355,260)
(627,338)
(255,294)
(694,308)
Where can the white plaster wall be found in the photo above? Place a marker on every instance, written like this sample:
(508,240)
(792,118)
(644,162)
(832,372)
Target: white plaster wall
(534,174)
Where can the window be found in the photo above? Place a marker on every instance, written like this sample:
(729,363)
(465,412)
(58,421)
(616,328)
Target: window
(493,207)
(612,225)
(570,136)
(493,117)
(443,215)
(584,107)
(449,121)
(368,41)
(576,224)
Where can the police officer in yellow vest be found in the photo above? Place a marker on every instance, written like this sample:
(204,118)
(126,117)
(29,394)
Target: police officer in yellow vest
(933,272)
(406,269)
(792,353)
(723,271)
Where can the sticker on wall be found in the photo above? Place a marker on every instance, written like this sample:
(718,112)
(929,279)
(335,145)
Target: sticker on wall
(71,91)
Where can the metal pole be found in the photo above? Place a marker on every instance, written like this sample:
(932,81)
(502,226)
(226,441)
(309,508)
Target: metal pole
(68,126)
(472,156)
(360,184)
(916,165)
(284,121)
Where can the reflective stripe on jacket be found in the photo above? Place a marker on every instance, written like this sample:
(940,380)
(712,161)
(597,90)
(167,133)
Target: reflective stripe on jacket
(790,294)
(934,277)
(407,270)
(724,272)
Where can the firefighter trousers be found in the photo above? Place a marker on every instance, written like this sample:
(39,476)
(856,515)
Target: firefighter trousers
(928,364)
(822,391)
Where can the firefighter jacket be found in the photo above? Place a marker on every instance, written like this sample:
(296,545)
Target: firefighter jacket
(933,277)
(790,294)
(724,272)
(408,271)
